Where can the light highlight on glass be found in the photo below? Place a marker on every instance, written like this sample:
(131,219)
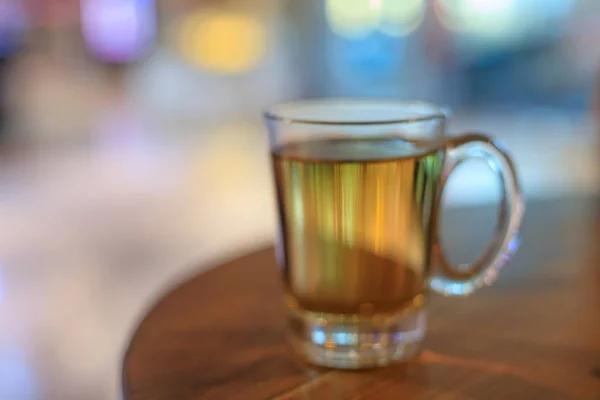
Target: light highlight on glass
(319,337)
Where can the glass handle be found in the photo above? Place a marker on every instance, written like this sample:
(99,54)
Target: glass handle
(461,280)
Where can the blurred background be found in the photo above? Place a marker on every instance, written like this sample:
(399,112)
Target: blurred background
(132,151)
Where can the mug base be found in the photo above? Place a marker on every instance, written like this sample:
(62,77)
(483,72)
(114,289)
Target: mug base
(340,341)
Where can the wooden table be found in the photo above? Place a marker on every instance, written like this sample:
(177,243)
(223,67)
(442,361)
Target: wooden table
(534,335)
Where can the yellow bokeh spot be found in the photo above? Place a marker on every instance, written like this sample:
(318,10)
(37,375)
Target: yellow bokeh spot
(222,42)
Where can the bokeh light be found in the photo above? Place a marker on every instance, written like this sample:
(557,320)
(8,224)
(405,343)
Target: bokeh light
(400,18)
(482,17)
(501,19)
(222,42)
(356,19)
(118,30)
(353,18)
(13,23)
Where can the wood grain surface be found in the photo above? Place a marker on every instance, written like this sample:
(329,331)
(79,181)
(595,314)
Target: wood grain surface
(534,335)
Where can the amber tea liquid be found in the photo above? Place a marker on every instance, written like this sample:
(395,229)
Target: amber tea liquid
(356,223)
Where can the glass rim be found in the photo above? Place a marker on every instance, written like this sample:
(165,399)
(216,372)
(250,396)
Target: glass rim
(275,113)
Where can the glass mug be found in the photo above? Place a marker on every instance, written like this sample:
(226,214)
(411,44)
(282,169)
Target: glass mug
(359,186)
